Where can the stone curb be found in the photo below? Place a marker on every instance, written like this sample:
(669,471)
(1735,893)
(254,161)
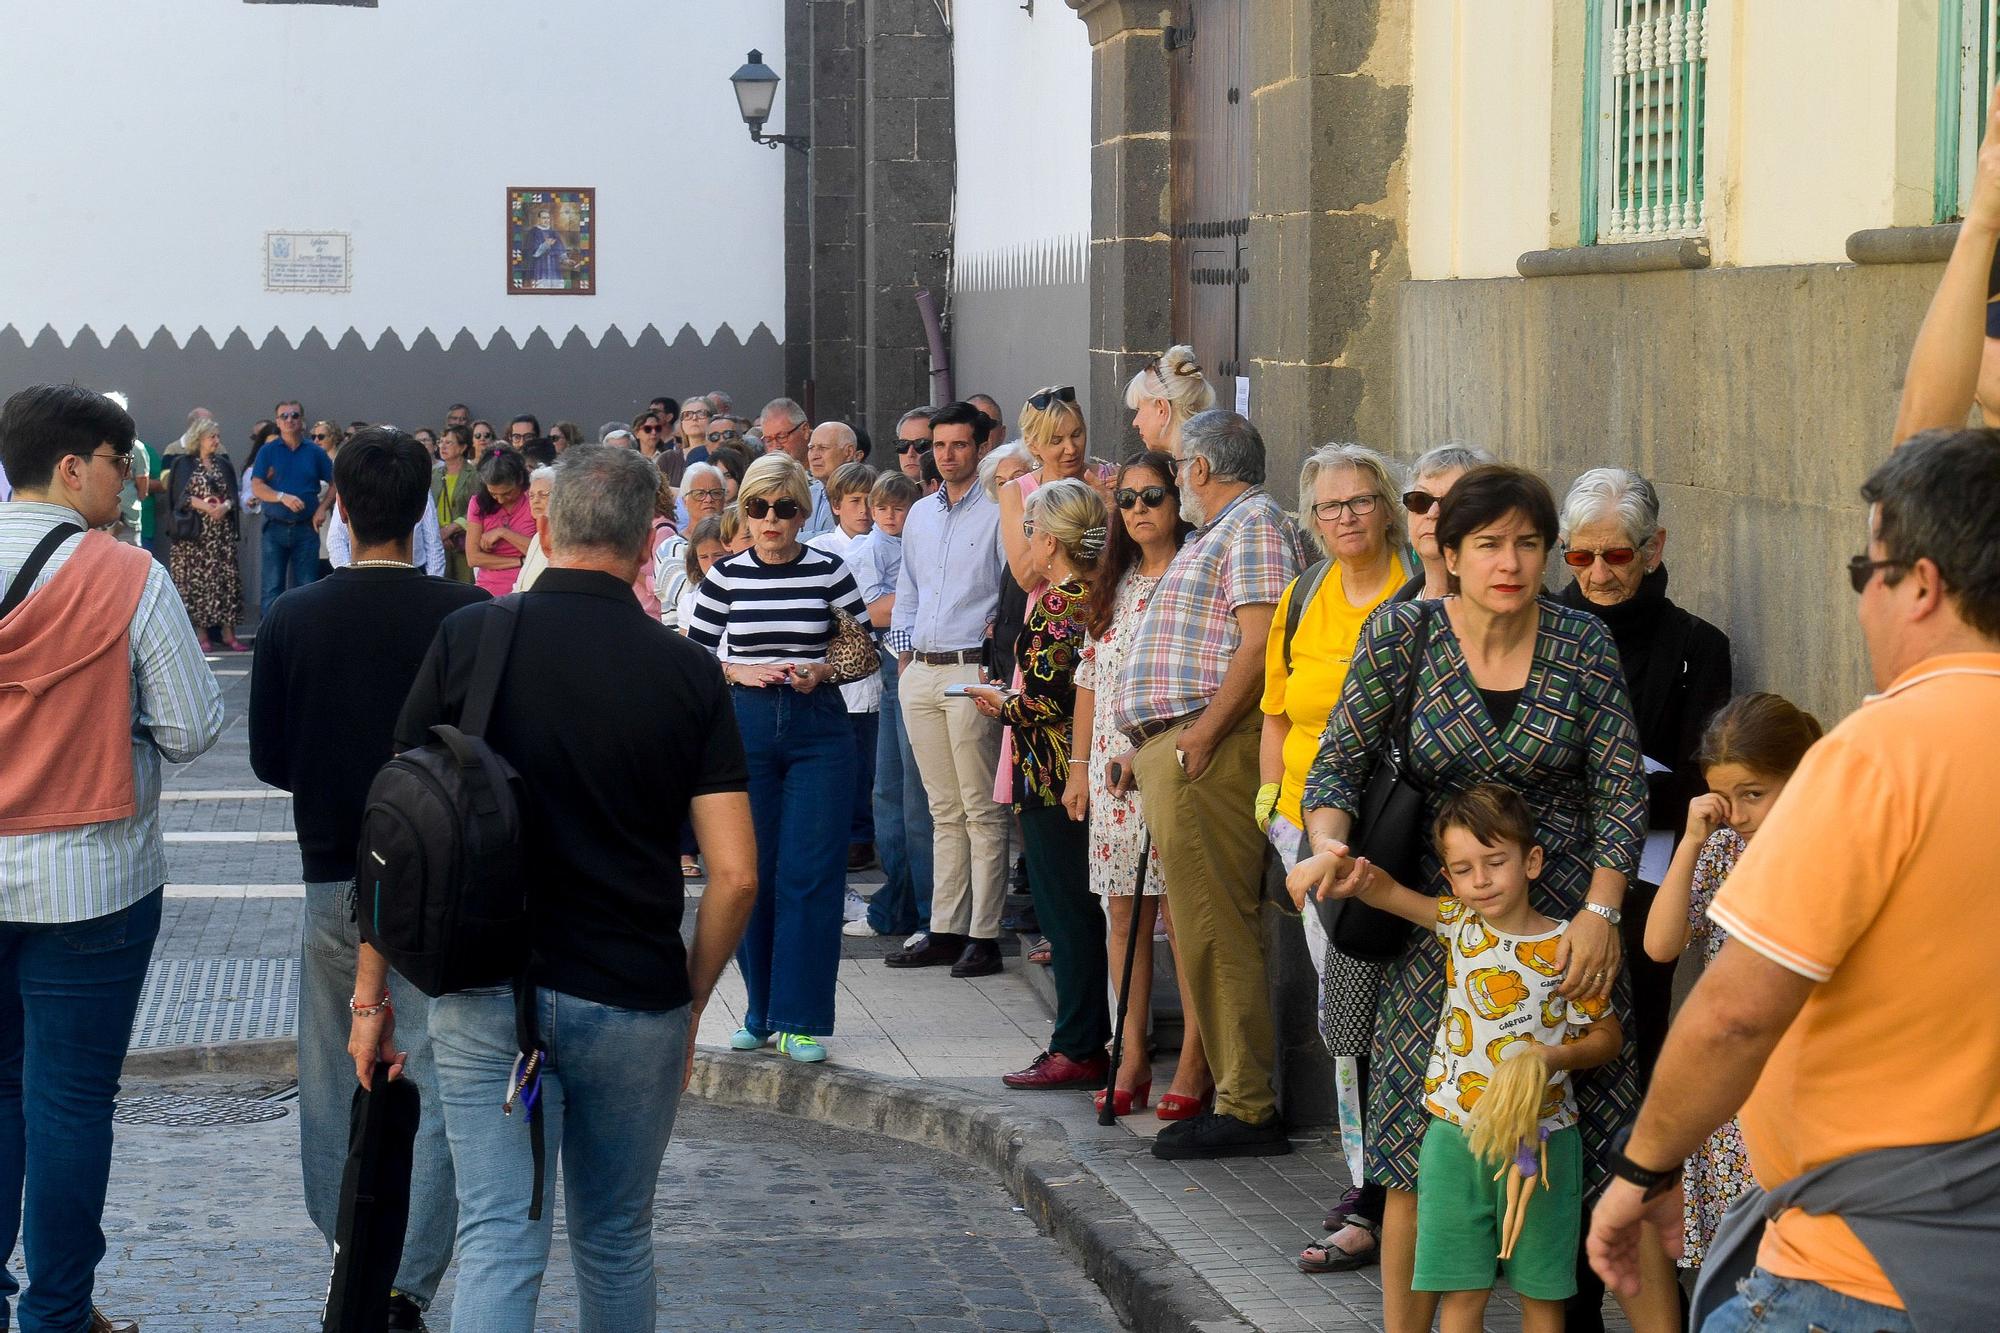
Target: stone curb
(1145,1280)
(268,1055)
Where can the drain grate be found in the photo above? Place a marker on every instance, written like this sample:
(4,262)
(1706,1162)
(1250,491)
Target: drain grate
(170,1109)
(202,1001)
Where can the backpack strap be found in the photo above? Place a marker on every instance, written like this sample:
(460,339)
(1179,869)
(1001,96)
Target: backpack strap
(24,579)
(1304,589)
(496,643)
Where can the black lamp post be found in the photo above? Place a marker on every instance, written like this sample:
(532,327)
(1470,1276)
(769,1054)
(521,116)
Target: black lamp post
(756,87)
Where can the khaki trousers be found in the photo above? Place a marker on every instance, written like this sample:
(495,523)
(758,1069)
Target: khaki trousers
(958,751)
(1212,858)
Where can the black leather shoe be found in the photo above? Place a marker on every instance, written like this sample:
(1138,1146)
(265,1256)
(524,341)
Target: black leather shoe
(980,959)
(1218,1135)
(404,1315)
(937,950)
(101,1322)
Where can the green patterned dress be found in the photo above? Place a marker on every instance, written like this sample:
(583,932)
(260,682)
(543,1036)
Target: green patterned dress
(1571,749)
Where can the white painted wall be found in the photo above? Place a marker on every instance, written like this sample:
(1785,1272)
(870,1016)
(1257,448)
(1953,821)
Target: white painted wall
(1818,126)
(148,146)
(1023,105)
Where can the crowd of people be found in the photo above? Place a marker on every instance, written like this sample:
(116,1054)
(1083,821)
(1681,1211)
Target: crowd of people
(1502,798)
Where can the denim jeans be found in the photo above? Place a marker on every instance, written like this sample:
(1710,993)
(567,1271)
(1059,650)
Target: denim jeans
(866,728)
(1766,1301)
(326,1091)
(67,997)
(609,1093)
(288,549)
(902,822)
(801,754)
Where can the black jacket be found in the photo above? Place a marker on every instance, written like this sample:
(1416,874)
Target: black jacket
(182,521)
(1677,672)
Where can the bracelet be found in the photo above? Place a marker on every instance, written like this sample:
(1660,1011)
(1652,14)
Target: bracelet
(1075,762)
(369,1010)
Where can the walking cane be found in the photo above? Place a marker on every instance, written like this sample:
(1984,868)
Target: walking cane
(1108,1113)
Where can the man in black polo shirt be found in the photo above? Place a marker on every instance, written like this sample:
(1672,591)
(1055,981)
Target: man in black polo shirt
(620,729)
(334,664)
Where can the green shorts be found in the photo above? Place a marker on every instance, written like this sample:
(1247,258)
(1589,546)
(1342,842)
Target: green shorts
(1460,1209)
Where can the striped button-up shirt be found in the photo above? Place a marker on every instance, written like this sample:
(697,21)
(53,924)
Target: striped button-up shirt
(1188,635)
(93,870)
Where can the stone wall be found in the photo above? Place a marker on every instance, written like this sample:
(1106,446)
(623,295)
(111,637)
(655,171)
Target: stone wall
(1758,399)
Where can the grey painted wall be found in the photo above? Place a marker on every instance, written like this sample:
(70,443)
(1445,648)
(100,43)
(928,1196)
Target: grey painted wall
(240,381)
(1011,341)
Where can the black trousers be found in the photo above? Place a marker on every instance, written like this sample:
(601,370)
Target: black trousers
(1073,919)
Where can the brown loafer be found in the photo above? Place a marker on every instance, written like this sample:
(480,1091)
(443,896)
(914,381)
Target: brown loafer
(1052,1069)
(937,950)
(101,1322)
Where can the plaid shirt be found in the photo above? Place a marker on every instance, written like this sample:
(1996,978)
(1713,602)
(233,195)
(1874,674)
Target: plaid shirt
(1189,635)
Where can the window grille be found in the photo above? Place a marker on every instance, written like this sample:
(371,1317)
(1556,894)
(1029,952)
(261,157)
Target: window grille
(1968,61)
(1645,98)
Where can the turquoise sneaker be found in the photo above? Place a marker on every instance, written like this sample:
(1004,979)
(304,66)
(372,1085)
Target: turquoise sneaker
(745,1040)
(806,1050)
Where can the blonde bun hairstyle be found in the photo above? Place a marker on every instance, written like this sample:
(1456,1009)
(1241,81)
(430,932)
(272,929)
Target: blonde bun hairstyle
(1074,515)
(1177,378)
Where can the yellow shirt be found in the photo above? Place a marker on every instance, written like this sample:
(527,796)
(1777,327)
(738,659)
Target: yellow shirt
(1872,877)
(1321,650)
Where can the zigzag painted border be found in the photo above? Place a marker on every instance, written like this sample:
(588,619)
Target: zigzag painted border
(351,342)
(1056,262)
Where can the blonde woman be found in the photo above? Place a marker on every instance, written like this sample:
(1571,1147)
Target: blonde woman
(1066,532)
(1164,395)
(1350,503)
(201,496)
(775,603)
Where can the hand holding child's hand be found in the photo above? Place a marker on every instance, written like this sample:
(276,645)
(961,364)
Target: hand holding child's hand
(1706,813)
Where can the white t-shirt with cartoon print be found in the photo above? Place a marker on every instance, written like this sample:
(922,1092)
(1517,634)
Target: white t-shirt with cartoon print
(1500,990)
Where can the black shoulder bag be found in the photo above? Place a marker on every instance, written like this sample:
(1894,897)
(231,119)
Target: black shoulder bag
(1388,830)
(24,578)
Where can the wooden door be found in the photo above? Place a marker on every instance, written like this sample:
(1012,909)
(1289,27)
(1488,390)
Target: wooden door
(1210,63)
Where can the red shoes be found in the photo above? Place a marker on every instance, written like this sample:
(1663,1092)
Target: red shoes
(1124,1101)
(1173,1106)
(1052,1070)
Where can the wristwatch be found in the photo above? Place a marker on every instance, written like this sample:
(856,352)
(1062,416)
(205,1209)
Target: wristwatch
(1611,914)
(1654,1183)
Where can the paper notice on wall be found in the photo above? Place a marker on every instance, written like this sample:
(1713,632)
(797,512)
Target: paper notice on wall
(307,261)
(1242,395)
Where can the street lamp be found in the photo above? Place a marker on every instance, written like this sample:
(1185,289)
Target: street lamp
(756,87)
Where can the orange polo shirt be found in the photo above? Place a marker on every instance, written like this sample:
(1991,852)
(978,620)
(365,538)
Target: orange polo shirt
(1875,877)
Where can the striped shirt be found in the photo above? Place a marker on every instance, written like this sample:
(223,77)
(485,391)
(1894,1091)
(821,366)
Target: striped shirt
(773,613)
(93,870)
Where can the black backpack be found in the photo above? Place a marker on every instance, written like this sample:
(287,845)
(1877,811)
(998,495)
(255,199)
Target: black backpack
(439,887)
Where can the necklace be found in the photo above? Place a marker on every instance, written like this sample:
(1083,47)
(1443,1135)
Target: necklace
(380,564)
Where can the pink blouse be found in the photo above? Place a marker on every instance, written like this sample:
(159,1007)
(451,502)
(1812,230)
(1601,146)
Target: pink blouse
(500,582)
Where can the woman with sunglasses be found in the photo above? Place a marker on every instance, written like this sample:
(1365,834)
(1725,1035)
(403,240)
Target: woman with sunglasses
(1349,503)
(775,604)
(1146,532)
(1431,479)
(483,437)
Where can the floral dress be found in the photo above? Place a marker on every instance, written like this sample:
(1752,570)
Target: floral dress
(204,566)
(1117,828)
(1720,1168)
(1571,750)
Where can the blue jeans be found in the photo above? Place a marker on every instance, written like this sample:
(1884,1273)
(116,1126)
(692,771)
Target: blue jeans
(902,822)
(67,997)
(1766,1301)
(866,728)
(289,549)
(609,1093)
(801,754)
(326,1091)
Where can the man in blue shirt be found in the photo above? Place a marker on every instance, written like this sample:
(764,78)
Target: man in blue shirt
(946,596)
(287,475)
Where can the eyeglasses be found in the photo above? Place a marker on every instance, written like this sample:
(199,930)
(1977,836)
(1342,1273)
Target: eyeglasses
(1421,502)
(722,436)
(1326,511)
(1152,497)
(715,494)
(290,416)
(482,435)
(320,435)
(759,507)
(650,428)
(1860,569)
(1028,527)
(1617,557)
(913,446)
(1042,401)
(520,436)
(122,462)
(694,413)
